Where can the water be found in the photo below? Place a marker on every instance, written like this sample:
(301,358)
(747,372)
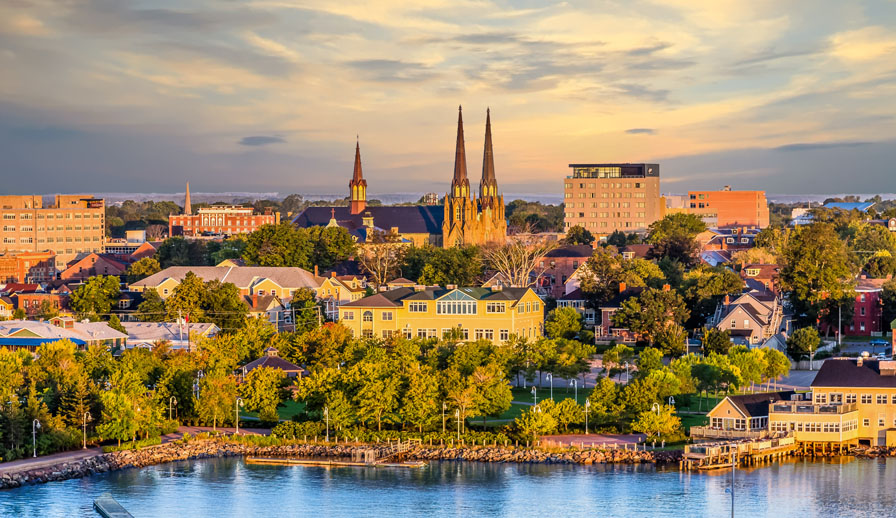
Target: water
(222,488)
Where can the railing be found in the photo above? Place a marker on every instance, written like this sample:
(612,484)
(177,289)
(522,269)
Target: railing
(806,407)
(719,433)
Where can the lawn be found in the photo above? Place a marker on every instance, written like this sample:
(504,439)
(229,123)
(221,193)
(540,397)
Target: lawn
(524,395)
(698,403)
(689,420)
(286,410)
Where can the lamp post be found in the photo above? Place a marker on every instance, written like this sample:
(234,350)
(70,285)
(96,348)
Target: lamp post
(84,426)
(575,387)
(551,381)
(587,408)
(535,395)
(171,400)
(444,407)
(239,403)
(35,425)
(457,418)
(626,373)
(655,408)
(327,419)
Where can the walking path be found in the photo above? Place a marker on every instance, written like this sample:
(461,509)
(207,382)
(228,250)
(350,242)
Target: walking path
(567,439)
(46,461)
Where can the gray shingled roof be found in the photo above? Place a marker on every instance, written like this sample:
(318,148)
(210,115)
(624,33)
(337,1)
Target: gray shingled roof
(756,405)
(241,276)
(847,373)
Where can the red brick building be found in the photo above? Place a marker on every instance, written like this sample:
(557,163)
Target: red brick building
(28,267)
(868,309)
(761,277)
(559,264)
(220,220)
(92,265)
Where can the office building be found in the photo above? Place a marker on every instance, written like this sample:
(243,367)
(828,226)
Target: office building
(727,208)
(604,198)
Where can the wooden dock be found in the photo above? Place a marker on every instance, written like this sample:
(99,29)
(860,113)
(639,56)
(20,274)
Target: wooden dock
(109,507)
(718,455)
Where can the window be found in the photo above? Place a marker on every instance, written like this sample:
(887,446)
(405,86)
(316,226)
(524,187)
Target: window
(479,334)
(866,422)
(387,333)
(862,297)
(893,399)
(881,399)
(862,326)
(504,335)
(387,316)
(367,333)
(850,398)
(821,398)
(367,316)
(836,398)
(456,307)
(417,307)
(489,334)
(733,323)
(496,307)
(866,399)
(407,333)
(880,422)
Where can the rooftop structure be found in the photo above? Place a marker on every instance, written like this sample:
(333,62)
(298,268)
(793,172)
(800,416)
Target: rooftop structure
(603,198)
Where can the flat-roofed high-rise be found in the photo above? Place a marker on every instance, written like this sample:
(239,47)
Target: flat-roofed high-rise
(603,198)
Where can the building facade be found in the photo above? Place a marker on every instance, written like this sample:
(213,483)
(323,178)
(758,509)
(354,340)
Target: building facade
(727,208)
(603,198)
(26,267)
(220,220)
(70,226)
(465,314)
(281,282)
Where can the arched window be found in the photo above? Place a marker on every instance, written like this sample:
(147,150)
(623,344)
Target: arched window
(367,316)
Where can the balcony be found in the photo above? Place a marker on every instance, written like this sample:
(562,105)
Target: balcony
(805,407)
(708,432)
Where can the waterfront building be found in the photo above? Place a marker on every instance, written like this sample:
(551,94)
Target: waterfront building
(462,219)
(467,313)
(727,208)
(603,198)
(250,280)
(740,416)
(72,225)
(853,401)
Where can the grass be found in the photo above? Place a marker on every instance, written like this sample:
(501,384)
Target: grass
(689,420)
(524,395)
(698,403)
(285,410)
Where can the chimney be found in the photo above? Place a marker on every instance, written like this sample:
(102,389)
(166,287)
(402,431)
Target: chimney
(254,300)
(316,271)
(859,361)
(333,274)
(666,287)
(419,287)
(451,286)
(622,287)
(727,300)
(497,287)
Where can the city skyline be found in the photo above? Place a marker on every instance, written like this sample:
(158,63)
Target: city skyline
(269,96)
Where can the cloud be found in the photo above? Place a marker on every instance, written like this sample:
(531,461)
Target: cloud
(260,140)
(819,145)
(657,95)
(641,131)
(392,70)
(865,44)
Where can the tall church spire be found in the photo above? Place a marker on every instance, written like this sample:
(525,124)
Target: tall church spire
(188,209)
(488,186)
(460,185)
(358,185)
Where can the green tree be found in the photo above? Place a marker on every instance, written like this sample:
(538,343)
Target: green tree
(803,343)
(651,312)
(776,364)
(577,235)
(223,305)
(120,406)
(19,314)
(377,398)
(278,245)
(888,302)
(152,309)
(115,323)
(187,299)
(616,357)
(563,322)
(874,250)
(650,359)
(96,296)
(659,423)
(568,412)
(533,423)
(605,404)
(673,237)
(704,287)
(217,399)
(672,339)
(142,269)
(261,392)
(420,405)
(492,392)
(716,341)
(177,251)
(331,245)
(231,248)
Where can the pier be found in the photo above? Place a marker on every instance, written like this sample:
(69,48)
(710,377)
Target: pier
(717,455)
(393,456)
(108,507)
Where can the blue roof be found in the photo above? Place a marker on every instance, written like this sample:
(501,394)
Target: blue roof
(842,205)
(24,342)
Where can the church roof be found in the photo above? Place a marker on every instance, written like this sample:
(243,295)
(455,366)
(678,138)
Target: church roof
(415,219)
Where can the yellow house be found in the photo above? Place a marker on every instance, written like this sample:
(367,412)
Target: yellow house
(853,401)
(741,416)
(431,312)
(281,282)
(338,290)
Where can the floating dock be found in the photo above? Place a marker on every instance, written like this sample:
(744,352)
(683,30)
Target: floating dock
(710,456)
(272,461)
(110,508)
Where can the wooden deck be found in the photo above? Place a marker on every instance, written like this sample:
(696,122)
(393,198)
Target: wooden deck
(720,455)
(109,507)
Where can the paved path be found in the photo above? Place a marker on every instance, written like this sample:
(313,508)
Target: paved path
(567,439)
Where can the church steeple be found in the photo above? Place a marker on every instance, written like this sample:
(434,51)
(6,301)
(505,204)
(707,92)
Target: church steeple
(488,186)
(460,185)
(358,185)
(188,209)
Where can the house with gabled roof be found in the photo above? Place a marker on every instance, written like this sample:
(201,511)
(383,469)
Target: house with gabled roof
(341,289)
(29,334)
(740,416)
(464,313)
(751,318)
(251,280)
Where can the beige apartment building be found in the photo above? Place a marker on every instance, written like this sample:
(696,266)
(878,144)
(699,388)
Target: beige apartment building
(74,224)
(603,198)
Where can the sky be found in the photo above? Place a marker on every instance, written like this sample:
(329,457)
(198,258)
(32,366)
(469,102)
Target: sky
(795,97)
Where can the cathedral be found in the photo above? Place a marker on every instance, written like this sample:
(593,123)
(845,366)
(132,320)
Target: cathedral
(463,219)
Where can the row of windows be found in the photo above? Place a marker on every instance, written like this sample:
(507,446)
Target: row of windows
(606,185)
(12,216)
(799,426)
(866,399)
(606,205)
(606,224)
(455,307)
(606,195)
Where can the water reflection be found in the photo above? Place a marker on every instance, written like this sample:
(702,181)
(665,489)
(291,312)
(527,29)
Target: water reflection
(222,488)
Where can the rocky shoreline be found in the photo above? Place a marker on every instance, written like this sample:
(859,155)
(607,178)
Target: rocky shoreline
(210,448)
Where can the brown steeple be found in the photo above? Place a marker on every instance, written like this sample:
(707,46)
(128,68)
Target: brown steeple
(188,209)
(460,185)
(358,186)
(488,186)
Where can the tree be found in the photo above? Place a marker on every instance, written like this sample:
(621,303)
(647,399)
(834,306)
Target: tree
(615,357)
(672,339)
(278,245)
(142,269)
(563,322)
(223,305)
(177,251)
(577,235)
(96,296)
(381,255)
(650,312)
(492,396)
(331,245)
(888,302)
(460,265)
(816,269)
(518,260)
(650,359)
(217,399)
(659,423)
(776,364)
(231,248)
(120,406)
(47,310)
(377,398)
(152,309)
(19,314)
(568,412)
(803,343)
(420,404)
(187,299)
(673,237)
(115,323)
(704,287)
(874,250)
(261,392)
(533,423)
(716,341)
(605,404)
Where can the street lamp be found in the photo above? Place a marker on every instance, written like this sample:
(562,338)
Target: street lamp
(535,395)
(84,425)
(327,419)
(626,373)
(239,403)
(551,381)
(655,408)
(587,408)
(171,400)
(35,425)
(457,418)
(671,401)
(575,386)
(444,407)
